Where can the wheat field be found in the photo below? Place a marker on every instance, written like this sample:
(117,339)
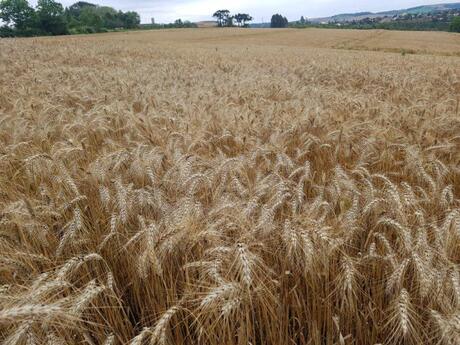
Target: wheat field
(230,187)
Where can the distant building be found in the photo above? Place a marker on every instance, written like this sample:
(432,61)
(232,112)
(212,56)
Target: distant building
(153,20)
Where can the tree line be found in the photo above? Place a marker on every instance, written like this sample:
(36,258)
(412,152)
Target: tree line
(177,24)
(226,19)
(51,18)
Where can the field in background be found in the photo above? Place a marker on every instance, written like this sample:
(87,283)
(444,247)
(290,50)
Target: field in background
(435,43)
(230,187)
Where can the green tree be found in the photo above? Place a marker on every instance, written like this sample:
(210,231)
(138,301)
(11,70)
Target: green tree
(455,24)
(242,19)
(19,14)
(76,9)
(109,16)
(50,17)
(189,24)
(222,17)
(131,20)
(90,18)
(246,18)
(278,21)
(229,21)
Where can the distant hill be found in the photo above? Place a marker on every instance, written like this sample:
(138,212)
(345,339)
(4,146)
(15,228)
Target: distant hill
(345,17)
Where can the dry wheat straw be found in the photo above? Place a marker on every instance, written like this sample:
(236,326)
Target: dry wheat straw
(264,191)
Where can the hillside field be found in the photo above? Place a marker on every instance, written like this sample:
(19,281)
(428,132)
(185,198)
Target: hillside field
(230,187)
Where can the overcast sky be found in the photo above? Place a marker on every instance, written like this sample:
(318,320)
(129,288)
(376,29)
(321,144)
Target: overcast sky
(165,11)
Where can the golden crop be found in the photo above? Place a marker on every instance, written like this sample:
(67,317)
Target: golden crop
(230,187)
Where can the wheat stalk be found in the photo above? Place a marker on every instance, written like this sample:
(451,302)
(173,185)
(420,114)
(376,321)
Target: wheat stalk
(276,191)
(159,335)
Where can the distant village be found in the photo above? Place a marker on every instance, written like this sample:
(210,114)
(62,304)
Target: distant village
(438,16)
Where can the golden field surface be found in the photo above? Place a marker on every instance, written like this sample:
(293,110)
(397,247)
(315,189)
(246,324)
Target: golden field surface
(230,187)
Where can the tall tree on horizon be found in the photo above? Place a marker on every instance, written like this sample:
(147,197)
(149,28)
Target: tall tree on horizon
(242,19)
(279,21)
(222,17)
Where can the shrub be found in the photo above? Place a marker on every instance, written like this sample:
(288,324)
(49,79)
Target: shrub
(455,24)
